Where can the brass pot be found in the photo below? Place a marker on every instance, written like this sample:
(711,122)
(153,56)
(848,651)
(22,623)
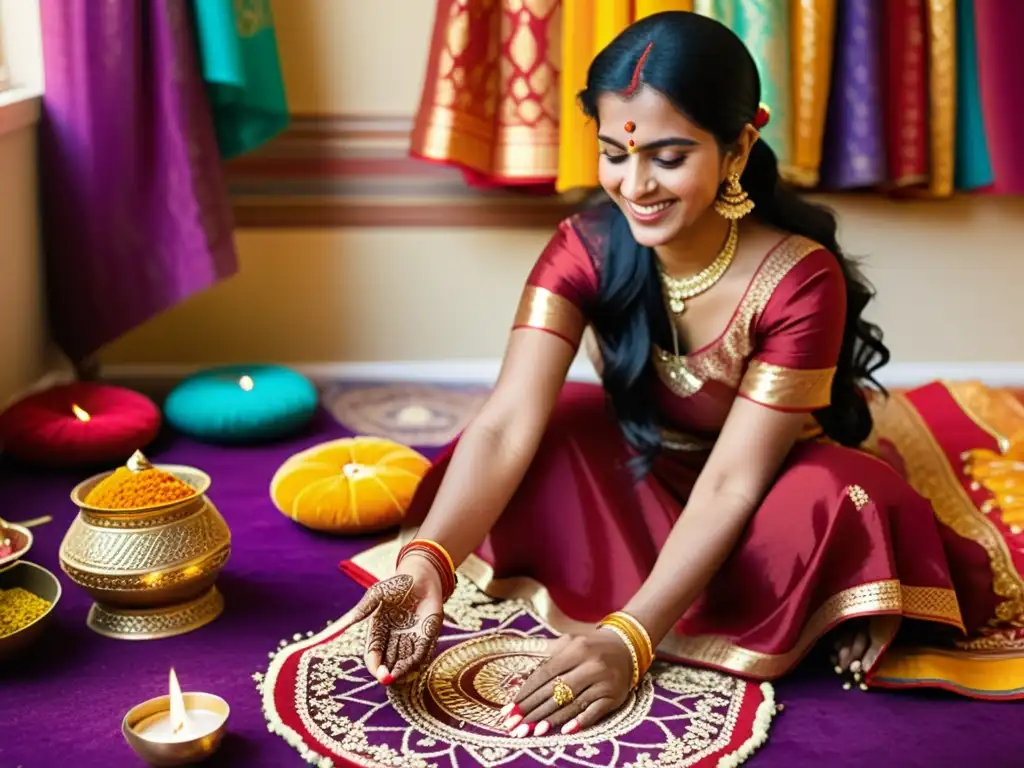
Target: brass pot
(150,570)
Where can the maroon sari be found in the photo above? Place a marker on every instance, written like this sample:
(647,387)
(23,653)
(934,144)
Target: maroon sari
(841,534)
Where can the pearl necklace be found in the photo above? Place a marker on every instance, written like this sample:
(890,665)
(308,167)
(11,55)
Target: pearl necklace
(679,289)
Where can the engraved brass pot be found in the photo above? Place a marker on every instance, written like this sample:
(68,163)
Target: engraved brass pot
(150,570)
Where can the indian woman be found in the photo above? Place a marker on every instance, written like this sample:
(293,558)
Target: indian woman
(710,504)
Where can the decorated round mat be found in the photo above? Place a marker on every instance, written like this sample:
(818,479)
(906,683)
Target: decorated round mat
(318,696)
(414,414)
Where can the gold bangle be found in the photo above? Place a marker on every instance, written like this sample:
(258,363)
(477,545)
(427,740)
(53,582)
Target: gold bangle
(637,635)
(635,650)
(632,651)
(641,629)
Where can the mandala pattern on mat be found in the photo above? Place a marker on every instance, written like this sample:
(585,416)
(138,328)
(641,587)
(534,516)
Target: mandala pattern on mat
(318,696)
(414,414)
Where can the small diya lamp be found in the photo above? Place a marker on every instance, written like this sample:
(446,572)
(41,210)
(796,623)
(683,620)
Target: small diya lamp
(176,729)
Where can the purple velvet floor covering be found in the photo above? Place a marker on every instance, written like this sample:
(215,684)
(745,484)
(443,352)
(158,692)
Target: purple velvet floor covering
(64,702)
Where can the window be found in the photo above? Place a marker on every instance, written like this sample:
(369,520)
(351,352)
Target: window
(5,74)
(21,49)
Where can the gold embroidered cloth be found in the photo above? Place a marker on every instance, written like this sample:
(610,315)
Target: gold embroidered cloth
(318,696)
(490,100)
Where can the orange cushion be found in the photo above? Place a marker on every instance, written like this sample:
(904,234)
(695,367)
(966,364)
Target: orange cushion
(351,485)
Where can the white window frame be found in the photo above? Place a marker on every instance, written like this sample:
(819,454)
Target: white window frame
(21,64)
(5,72)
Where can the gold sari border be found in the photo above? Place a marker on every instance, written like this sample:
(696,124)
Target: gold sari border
(979,676)
(871,599)
(545,310)
(996,411)
(930,473)
(787,389)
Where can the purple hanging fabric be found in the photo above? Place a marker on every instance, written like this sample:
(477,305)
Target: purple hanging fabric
(854,148)
(135,211)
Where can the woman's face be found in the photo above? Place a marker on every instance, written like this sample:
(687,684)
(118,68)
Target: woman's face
(673,177)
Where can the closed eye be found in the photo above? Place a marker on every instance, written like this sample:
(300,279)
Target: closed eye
(671,162)
(614,158)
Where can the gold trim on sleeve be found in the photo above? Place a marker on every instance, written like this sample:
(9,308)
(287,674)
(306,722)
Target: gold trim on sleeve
(790,389)
(547,311)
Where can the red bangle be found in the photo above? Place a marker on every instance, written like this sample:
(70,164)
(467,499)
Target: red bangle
(437,556)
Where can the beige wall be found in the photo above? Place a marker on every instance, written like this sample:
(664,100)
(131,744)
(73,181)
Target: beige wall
(949,275)
(23,337)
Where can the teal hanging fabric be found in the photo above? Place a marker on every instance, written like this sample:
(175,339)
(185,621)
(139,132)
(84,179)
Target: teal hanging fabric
(242,70)
(973,164)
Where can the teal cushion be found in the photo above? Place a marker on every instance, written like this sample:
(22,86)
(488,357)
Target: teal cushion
(241,403)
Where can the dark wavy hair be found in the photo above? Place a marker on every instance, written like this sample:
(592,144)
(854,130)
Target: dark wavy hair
(708,74)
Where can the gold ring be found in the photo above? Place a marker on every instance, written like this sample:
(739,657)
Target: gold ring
(561,693)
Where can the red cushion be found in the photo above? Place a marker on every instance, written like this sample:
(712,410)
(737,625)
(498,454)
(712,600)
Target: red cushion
(43,428)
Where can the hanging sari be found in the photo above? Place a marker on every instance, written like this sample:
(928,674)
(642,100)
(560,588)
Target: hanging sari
(765,29)
(238,51)
(906,92)
(942,97)
(1002,89)
(973,165)
(135,210)
(854,145)
(813,32)
(587,26)
(489,104)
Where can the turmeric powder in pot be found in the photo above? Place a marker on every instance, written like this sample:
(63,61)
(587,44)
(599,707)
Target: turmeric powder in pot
(133,489)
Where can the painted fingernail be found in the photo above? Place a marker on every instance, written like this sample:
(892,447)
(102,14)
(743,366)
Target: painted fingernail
(387,680)
(513,721)
(856,666)
(571,727)
(510,709)
(837,669)
(521,731)
(542,727)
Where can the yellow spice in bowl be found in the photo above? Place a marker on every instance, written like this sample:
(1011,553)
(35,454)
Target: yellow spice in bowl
(19,608)
(129,489)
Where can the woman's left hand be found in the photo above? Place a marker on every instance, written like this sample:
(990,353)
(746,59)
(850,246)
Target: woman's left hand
(598,669)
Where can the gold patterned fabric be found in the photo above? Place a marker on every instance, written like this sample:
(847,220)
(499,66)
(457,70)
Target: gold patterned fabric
(900,425)
(954,443)
(813,30)
(317,695)
(941,19)
(787,389)
(491,98)
(726,360)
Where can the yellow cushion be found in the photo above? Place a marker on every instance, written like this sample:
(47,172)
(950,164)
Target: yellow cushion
(351,485)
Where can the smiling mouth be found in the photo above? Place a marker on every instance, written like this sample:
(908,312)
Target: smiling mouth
(649,210)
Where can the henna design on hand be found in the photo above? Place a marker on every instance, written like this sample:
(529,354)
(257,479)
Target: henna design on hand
(398,635)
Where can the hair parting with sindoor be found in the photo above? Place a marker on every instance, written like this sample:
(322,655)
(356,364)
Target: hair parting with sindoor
(706,72)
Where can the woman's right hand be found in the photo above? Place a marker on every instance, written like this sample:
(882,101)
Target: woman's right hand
(406,613)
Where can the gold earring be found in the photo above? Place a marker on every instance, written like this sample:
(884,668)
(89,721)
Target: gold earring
(733,202)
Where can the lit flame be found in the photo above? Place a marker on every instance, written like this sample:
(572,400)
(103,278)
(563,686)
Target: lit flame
(246,383)
(178,714)
(80,413)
